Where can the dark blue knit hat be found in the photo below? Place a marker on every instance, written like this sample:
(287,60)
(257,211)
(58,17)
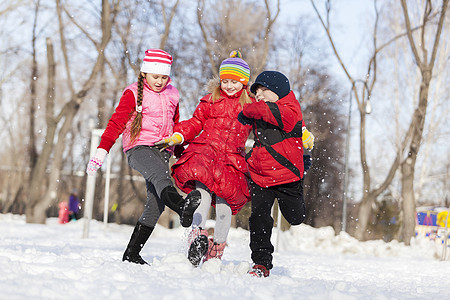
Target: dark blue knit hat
(274,81)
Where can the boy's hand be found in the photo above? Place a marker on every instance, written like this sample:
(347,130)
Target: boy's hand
(308,139)
(96,161)
(175,139)
(244,120)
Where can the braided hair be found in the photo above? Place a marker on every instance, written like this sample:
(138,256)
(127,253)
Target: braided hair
(136,126)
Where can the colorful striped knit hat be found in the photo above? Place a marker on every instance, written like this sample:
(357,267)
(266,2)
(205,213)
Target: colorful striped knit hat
(235,68)
(157,61)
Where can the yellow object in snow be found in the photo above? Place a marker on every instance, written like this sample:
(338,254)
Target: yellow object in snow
(442,217)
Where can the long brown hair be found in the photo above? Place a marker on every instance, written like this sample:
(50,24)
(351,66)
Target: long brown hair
(135,129)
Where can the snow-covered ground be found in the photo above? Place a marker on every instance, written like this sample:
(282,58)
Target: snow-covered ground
(53,261)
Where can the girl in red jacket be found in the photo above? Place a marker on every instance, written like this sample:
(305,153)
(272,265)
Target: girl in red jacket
(275,162)
(214,162)
(146,114)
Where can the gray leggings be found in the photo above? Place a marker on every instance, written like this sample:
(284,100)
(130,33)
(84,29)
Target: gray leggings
(154,166)
(223,214)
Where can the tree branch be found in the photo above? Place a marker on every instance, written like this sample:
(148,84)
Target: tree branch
(72,19)
(327,30)
(438,33)
(64,47)
(270,22)
(426,15)
(409,34)
(168,22)
(373,59)
(209,50)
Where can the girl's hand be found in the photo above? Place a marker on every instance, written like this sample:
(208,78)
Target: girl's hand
(175,139)
(96,161)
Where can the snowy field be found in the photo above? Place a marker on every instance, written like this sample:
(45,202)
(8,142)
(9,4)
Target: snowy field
(53,261)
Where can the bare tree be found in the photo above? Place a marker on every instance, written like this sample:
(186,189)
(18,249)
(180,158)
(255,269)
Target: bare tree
(425,61)
(37,203)
(14,161)
(33,94)
(362,97)
(369,193)
(223,29)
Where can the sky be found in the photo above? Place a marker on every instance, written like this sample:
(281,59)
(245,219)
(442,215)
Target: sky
(350,22)
(53,261)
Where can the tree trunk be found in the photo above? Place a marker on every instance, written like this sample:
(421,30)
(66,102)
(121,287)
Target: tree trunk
(37,174)
(56,164)
(368,195)
(365,208)
(35,192)
(425,63)
(367,200)
(37,202)
(408,203)
(33,96)
(12,200)
(408,165)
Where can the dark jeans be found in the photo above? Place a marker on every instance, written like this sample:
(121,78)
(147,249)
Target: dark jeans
(292,206)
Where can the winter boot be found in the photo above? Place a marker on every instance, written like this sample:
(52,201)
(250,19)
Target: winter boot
(185,208)
(214,250)
(198,245)
(259,271)
(138,239)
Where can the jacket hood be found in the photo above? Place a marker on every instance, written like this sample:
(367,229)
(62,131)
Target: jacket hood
(212,84)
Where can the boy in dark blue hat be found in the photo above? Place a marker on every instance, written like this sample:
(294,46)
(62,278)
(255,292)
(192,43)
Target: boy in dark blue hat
(275,162)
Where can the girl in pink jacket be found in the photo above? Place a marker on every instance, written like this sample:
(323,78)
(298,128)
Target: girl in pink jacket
(146,115)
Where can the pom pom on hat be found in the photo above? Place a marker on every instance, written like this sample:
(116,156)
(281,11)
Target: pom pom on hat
(236,54)
(235,68)
(157,61)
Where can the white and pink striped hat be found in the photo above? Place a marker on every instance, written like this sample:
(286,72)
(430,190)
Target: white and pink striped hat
(157,61)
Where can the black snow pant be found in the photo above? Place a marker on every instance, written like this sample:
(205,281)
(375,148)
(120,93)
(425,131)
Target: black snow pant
(292,206)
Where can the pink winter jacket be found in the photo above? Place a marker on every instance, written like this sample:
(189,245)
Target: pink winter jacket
(160,112)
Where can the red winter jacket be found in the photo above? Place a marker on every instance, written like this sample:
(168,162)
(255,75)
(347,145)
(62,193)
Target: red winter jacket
(277,154)
(216,156)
